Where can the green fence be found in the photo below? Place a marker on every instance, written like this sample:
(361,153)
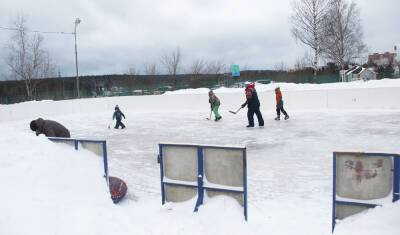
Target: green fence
(125,85)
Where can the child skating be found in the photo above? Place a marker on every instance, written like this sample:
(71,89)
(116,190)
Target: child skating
(118,116)
(279,105)
(253,105)
(215,103)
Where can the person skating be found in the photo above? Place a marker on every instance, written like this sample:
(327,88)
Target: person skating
(118,116)
(279,105)
(253,105)
(215,103)
(49,128)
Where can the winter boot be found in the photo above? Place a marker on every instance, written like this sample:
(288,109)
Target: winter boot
(250,126)
(278,118)
(286,117)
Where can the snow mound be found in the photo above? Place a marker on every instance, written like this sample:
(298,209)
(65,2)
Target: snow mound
(48,187)
(377,221)
(297,87)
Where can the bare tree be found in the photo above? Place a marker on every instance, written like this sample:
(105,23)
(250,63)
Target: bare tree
(133,71)
(343,38)
(304,62)
(215,67)
(150,69)
(281,67)
(172,61)
(28,60)
(308,22)
(198,67)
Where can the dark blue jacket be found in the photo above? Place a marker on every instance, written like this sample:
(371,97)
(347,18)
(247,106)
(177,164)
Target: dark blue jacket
(118,115)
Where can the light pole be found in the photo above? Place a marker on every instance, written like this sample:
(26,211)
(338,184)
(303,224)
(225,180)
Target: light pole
(77,21)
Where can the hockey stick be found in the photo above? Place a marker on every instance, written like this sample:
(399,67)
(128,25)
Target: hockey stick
(110,124)
(236,111)
(210,116)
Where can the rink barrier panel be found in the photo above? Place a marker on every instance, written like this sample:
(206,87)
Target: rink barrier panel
(199,184)
(395,185)
(101,149)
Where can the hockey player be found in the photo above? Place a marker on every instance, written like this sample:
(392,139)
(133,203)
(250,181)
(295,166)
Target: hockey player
(253,105)
(279,105)
(215,103)
(118,116)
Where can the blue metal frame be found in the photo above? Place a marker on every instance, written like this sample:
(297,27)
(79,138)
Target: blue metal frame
(396,182)
(76,146)
(245,183)
(396,179)
(105,162)
(162,174)
(200,175)
(369,205)
(334,194)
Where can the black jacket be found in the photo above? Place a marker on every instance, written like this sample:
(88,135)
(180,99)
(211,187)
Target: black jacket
(252,101)
(118,115)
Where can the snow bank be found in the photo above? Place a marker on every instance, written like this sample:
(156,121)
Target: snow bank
(377,221)
(50,188)
(384,83)
(378,94)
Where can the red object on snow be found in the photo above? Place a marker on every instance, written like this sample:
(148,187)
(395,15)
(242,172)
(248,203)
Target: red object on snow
(118,189)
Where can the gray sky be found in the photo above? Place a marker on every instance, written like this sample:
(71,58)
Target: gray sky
(115,35)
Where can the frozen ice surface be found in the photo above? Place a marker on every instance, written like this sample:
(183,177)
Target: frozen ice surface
(292,157)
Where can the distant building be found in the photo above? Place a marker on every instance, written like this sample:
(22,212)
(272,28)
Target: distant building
(384,59)
(357,73)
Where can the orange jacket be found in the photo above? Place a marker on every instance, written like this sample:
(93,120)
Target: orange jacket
(278,96)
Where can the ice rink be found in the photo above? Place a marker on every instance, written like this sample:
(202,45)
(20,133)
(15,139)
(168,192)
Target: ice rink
(289,170)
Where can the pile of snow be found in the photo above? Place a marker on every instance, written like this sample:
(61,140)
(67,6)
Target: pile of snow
(50,188)
(297,87)
(377,221)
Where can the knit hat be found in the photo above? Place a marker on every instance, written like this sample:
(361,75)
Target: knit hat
(249,85)
(116,107)
(33,125)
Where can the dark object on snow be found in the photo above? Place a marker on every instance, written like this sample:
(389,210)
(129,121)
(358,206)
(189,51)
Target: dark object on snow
(118,116)
(235,112)
(49,128)
(118,189)
(253,105)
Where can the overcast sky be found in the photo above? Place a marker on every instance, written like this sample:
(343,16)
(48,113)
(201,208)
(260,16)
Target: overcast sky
(116,35)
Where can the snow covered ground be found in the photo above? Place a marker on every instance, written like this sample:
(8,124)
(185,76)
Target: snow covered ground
(51,189)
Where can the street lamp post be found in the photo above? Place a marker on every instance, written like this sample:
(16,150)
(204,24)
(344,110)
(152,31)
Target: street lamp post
(77,21)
